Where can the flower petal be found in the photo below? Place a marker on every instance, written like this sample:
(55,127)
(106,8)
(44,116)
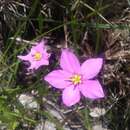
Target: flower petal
(27,57)
(32,66)
(36,64)
(30,57)
(58,79)
(43,62)
(69,61)
(90,68)
(70,96)
(38,47)
(92,89)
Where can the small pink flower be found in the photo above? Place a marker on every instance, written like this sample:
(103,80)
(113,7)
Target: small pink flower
(37,57)
(75,79)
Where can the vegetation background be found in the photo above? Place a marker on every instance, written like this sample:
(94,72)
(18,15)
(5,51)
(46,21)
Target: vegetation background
(90,27)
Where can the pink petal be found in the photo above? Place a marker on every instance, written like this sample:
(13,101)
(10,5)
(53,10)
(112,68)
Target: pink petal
(33,66)
(69,61)
(43,62)
(70,96)
(90,68)
(46,55)
(58,79)
(36,64)
(26,57)
(92,89)
(39,46)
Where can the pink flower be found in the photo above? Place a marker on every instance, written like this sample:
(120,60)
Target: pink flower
(37,57)
(75,79)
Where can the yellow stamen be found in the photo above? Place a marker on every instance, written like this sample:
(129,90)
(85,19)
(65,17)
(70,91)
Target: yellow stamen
(37,56)
(76,79)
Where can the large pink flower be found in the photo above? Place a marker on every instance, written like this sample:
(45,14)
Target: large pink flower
(37,57)
(75,79)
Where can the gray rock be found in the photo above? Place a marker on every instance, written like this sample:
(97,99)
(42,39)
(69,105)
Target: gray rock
(99,127)
(49,126)
(46,126)
(40,126)
(56,114)
(28,101)
(97,112)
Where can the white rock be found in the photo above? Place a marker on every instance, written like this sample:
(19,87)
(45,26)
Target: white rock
(55,114)
(97,112)
(28,101)
(66,128)
(99,127)
(40,126)
(49,126)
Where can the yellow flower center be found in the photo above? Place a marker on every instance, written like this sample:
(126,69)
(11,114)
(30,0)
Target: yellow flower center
(37,56)
(76,79)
